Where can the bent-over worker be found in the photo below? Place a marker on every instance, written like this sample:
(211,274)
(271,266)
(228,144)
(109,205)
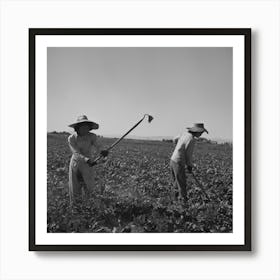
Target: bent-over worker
(183,156)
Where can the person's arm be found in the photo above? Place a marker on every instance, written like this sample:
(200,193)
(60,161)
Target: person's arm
(175,139)
(98,147)
(75,149)
(189,155)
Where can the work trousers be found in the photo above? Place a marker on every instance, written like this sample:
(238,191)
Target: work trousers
(179,177)
(81,176)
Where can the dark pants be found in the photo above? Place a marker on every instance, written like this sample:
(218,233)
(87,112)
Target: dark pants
(179,177)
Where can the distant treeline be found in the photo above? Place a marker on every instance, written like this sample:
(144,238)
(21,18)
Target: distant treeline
(201,140)
(61,132)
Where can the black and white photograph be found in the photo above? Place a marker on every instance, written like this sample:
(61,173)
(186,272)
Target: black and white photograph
(141,139)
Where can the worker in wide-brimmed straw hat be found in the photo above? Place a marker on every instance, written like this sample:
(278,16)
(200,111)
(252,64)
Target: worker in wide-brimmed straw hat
(82,144)
(183,156)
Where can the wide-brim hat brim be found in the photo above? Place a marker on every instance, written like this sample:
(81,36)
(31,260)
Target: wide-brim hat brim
(197,129)
(91,124)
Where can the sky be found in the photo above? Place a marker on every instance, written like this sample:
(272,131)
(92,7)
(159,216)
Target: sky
(115,87)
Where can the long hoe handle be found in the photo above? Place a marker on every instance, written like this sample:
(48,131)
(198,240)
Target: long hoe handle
(200,186)
(150,118)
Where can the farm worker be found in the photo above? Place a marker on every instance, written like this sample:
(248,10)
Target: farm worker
(183,155)
(81,144)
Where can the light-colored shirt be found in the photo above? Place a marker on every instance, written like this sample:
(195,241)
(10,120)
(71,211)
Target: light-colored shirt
(183,152)
(82,146)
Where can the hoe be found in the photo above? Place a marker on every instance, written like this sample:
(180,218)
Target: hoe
(150,118)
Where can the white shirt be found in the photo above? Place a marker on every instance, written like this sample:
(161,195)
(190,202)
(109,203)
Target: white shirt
(183,152)
(81,146)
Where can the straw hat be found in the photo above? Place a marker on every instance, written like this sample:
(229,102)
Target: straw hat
(197,127)
(84,120)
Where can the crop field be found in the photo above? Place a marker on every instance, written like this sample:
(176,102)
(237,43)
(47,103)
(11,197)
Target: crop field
(134,191)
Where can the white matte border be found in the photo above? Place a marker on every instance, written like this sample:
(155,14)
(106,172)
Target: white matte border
(234,41)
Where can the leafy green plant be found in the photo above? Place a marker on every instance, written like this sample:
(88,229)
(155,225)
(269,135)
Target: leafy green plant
(138,194)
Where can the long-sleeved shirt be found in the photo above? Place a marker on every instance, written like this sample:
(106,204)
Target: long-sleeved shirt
(183,152)
(82,146)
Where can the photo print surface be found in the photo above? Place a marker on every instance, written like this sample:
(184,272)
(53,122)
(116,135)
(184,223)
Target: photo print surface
(140,142)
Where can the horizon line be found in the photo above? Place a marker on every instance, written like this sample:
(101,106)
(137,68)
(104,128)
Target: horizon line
(155,137)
